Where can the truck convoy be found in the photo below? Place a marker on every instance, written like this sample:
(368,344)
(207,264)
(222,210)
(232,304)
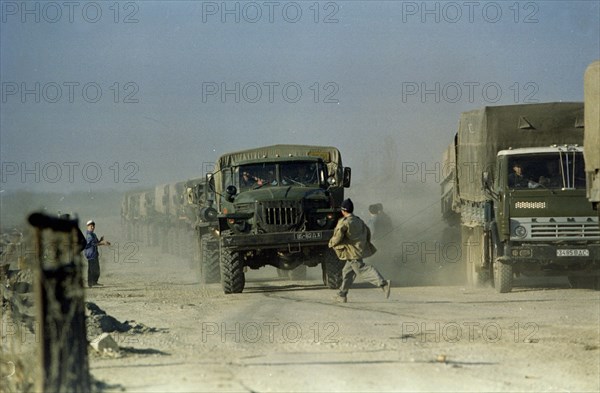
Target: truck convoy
(274,205)
(278,206)
(517,183)
(591,144)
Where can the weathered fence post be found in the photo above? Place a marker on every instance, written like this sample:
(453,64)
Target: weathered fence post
(61,309)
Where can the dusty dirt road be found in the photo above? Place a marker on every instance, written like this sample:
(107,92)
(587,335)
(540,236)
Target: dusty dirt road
(291,336)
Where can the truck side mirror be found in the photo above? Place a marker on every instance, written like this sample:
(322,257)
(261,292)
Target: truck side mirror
(347,177)
(210,180)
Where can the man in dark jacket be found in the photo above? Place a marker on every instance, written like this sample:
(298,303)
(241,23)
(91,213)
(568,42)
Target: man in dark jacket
(380,223)
(351,241)
(91,253)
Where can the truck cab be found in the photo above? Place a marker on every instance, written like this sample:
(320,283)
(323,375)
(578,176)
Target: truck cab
(541,221)
(278,206)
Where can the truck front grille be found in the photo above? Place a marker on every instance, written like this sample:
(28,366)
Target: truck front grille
(281,215)
(560,228)
(564,230)
(277,216)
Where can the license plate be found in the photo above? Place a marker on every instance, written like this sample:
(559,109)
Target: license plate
(309,236)
(573,253)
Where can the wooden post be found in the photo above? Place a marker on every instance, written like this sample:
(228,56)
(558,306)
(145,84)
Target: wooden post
(61,311)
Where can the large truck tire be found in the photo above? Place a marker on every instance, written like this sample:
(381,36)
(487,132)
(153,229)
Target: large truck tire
(210,271)
(503,277)
(232,271)
(332,270)
(474,245)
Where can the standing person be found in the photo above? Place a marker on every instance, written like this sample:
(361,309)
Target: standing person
(91,253)
(351,241)
(380,223)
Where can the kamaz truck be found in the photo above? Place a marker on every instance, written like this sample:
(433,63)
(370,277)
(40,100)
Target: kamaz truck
(591,140)
(519,189)
(278,206)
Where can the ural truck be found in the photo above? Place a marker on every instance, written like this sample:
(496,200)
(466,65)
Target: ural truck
(203,220)
(520,192)
(278,206)
(591,142)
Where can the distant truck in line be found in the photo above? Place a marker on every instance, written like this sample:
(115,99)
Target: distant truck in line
(516,184)
(591,140)
(277,205)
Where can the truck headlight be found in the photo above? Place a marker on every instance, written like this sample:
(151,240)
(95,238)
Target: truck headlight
(322,221)
(520,231)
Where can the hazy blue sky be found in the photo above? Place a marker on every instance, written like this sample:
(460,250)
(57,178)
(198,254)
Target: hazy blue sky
(141,101)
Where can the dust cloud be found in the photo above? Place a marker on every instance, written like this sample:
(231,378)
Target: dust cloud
(421,249)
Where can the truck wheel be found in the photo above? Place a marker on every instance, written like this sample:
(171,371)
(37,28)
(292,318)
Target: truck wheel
(475,243)
(332,270)
(474,278)
(503,277)
(298,273)
(232,271)
(210,271)
(196,252)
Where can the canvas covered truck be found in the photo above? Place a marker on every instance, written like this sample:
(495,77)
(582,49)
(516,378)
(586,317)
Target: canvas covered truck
(591,141)
(278,206)
(202,217)
(520,192)
(136,215)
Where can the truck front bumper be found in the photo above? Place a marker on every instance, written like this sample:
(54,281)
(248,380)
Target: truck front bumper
(561,257)
(288,240)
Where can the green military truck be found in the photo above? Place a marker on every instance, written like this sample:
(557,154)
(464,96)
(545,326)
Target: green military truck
(519,188)
(136,214)
(202,217)
(591,141)
(278,206)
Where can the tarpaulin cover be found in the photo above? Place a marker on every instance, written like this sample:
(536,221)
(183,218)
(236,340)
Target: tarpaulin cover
(591,142)
(330,155)
(484,132)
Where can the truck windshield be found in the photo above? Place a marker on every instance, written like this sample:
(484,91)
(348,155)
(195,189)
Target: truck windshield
(300,173)
(257,176)
(561,170)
